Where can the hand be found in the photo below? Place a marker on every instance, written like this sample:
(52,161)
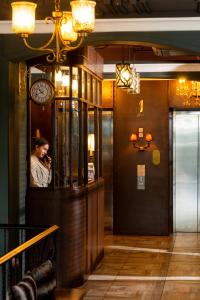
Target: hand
(48,162)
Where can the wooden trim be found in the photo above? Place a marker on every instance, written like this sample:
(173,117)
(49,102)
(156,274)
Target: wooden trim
(80,163)
(25,246)
(80,122)
(70,130)
(85,138)
(100,144)
(78,99)
(96,134)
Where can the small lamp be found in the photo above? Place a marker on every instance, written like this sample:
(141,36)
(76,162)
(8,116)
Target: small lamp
(133,137)
(91,142)
(148,137)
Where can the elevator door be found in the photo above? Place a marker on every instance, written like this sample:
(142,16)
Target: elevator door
(186,172)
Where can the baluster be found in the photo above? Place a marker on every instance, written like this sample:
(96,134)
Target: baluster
(19,268)
(3,275)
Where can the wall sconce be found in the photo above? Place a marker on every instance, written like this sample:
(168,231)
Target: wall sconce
(139,141)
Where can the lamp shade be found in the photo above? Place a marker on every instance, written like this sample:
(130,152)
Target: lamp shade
(133,137)
(23,17)
(135,84)
(83,15)
(66,29)
(123,76)
(148,137)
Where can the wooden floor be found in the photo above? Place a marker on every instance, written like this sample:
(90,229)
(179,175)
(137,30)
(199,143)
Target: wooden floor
(144,268)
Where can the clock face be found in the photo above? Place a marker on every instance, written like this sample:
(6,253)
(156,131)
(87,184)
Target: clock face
(42,91)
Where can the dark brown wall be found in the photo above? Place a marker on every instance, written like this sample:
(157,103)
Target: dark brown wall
(138,211)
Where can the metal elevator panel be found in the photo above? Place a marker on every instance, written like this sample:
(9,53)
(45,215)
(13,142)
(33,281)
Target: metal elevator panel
(186,171)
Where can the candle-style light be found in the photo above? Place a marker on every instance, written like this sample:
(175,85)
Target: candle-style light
(83,15)
(23,17)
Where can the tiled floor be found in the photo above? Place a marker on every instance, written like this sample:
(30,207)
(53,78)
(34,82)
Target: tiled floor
(144,268)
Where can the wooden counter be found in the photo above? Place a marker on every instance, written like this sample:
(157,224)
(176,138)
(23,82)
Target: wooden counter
(79,213)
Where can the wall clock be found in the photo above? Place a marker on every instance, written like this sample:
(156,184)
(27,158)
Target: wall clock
(42,91)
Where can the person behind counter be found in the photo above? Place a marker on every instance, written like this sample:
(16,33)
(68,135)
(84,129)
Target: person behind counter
(40,171)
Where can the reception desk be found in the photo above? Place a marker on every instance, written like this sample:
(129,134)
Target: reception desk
(80,215)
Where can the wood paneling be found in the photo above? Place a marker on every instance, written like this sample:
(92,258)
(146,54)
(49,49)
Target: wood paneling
(107,93)
(138,211)
(5,86)
(17,142)
(67,210)
(95,228)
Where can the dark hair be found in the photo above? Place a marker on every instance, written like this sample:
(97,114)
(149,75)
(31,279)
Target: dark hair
(40,142)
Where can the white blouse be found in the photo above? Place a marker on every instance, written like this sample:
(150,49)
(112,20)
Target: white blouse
(40,175)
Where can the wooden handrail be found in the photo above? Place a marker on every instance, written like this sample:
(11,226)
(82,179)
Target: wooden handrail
(28,244)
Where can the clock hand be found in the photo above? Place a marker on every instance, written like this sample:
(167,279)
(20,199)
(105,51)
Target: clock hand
(41,91)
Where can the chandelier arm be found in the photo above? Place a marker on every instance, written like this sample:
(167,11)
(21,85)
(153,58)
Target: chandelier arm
(70,48)
(42,48)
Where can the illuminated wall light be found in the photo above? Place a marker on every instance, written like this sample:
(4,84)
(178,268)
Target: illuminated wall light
(141,143)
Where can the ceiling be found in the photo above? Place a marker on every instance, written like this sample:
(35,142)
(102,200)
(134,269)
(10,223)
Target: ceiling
(119,8)
(140,54)
(147,8)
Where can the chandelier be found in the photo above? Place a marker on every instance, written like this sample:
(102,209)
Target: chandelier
(189,90)
(70,27)
(128,78)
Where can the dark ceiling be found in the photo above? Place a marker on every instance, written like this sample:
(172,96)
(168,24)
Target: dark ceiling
(119,8)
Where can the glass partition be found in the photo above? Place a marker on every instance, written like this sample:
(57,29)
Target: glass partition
(70,122)
(62,82)
(62,157)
